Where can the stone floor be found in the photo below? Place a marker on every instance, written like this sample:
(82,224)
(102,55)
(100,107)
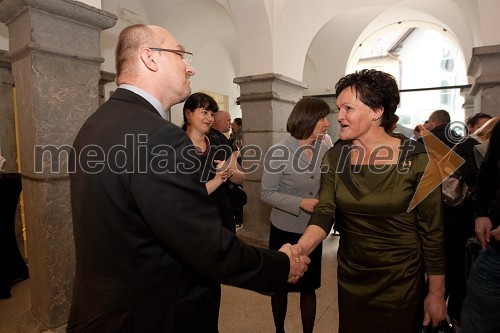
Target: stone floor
(241,311)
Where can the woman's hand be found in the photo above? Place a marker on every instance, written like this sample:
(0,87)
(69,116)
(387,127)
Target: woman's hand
(434,303)
(308,204)
(223,171)
(496,233)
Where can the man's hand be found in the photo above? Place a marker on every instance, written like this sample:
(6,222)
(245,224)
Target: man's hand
(298,262)
(483,230)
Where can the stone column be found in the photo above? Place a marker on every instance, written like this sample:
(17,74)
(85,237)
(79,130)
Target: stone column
(485,69)
(266,102)
(468,105)
(54,46)
(106,77)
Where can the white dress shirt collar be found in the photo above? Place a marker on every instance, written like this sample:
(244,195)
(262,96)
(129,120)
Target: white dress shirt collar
(148,97)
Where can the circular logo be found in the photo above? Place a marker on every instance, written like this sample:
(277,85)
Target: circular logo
(455,132)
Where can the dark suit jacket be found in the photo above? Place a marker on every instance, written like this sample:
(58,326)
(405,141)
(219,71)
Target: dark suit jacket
(150,248)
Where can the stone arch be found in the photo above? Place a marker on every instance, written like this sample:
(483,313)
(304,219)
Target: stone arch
(323,66)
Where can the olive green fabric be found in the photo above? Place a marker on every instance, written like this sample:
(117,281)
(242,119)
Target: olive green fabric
(384,249)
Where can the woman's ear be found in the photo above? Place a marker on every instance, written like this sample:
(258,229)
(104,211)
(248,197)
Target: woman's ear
(187,114)
(377,114)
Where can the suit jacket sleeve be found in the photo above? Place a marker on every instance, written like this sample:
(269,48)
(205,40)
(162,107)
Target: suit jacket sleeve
(183,217)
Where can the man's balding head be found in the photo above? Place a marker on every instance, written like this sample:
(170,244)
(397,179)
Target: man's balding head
(130,41)
(438,117)
(222,121)
(150,58)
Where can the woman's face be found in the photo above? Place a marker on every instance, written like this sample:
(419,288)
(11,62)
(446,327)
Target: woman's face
(320,128)
(354,117)
(200,120)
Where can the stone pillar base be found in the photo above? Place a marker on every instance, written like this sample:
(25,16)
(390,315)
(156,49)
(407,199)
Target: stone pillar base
(30,323)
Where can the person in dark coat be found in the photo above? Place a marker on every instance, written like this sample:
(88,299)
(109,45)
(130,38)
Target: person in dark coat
(458,221)
(480,309)
(150,248)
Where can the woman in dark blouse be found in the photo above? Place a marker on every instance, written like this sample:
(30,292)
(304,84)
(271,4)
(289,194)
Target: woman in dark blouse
(388,240)
(218,164)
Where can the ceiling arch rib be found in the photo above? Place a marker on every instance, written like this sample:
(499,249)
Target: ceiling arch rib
(255,37)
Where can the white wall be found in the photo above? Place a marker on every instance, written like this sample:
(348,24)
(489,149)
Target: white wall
(93,3)
(4,37)
(214,75)
(213,60)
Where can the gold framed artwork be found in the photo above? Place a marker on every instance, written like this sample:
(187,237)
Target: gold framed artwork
(222,100)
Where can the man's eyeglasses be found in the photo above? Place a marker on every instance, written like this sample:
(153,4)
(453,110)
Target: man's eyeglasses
(186,56)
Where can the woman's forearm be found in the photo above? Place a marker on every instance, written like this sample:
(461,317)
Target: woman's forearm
(312,237)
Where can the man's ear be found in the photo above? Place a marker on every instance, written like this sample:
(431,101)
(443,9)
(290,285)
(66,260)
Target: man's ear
(148,60)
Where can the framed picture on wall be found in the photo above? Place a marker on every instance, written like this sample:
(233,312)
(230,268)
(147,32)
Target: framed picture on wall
(222,100)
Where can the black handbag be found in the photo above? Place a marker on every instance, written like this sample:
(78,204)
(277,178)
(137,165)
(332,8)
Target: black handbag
(443,327)
(454,190)
(237,195)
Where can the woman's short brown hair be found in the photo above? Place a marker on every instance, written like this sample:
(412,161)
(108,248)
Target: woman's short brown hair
(374,88)
(305,115)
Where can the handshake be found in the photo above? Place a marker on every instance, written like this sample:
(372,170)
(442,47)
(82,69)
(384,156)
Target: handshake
(298,261)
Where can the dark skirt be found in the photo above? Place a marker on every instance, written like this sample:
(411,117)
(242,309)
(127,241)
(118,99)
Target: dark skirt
(312,278)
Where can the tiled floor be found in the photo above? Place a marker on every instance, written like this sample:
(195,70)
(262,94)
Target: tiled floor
(241,311)
(244,311)
(13,308)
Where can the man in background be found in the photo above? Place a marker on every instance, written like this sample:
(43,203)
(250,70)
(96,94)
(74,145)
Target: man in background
(236,133)
(475,121)
(151,251)
(221,125)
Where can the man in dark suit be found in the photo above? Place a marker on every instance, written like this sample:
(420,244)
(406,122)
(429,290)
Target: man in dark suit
(150,248)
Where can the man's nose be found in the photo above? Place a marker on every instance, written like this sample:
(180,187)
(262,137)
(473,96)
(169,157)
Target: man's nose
(190,70)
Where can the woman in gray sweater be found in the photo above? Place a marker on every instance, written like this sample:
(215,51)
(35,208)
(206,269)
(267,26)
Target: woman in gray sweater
(290,183)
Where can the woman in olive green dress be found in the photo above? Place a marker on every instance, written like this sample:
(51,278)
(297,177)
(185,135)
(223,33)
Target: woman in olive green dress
(385,193)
